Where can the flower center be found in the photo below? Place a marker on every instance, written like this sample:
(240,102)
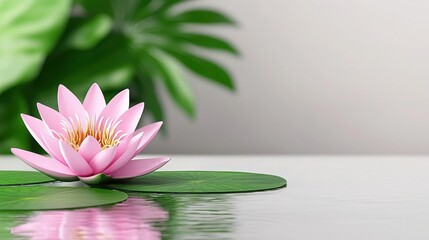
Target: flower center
(103,130)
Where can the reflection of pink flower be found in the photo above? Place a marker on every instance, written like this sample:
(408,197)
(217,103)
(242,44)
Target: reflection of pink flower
(92,141)
(126,221)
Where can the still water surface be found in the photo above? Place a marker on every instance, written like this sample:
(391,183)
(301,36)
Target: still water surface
(327,197)
(142,216)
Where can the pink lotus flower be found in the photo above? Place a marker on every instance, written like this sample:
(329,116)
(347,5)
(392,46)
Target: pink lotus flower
(93,142)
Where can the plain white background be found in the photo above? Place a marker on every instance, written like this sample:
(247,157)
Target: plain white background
(314,77)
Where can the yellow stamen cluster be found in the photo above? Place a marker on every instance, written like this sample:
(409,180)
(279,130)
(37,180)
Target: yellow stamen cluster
(103,131)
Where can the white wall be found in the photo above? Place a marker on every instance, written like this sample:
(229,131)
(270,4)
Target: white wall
(315,77)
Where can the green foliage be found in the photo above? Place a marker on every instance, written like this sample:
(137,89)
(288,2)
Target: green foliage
(10,178)
(200,182)
(201,16)
(53,197)
(142,45)
(28,30)
(12,130)
(87,34)
(169,71)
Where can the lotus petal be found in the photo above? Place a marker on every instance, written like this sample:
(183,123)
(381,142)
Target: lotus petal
(127,156)
(94,101)
(150,132)
(89,148)
(103,159)
(130,119)
(139,167)
(51,117)
(45,165)
(37,128)
(117,106)
(75,161)
(53,144)
(70,106)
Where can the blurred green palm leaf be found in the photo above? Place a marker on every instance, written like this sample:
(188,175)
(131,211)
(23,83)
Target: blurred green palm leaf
(26,36)
(171,74)
(140,44)
(28,31)
(204,41)
(201,16)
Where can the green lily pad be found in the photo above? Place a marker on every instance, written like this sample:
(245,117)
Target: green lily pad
(22,177)
(200,182)
(51,197)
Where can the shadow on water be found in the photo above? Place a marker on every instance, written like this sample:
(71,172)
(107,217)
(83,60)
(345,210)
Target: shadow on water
(142,216)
